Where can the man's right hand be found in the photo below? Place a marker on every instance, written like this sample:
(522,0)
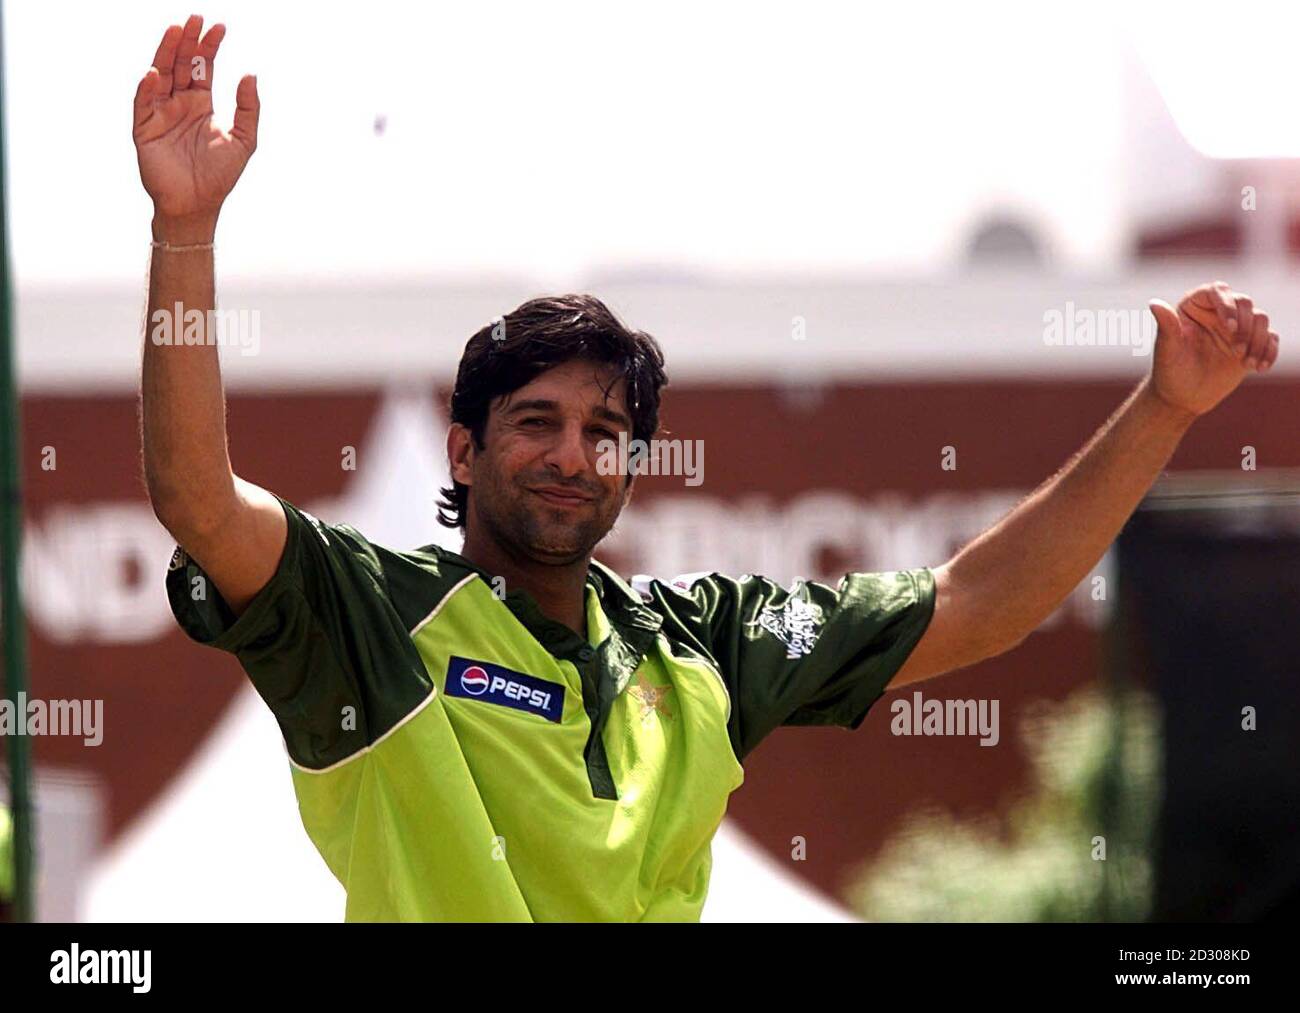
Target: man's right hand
(234,529)
(187,164)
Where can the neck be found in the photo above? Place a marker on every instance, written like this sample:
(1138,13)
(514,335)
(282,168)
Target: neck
(560,591)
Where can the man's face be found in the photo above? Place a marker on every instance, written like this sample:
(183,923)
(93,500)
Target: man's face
(534,487)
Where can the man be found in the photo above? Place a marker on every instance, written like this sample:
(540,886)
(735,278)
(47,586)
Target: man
(512,732)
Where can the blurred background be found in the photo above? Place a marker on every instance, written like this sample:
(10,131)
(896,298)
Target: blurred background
(862,236)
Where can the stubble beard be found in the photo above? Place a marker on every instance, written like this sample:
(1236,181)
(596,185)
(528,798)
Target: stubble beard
(526,527)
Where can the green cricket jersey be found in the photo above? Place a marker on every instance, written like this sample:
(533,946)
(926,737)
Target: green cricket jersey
(459,756)
(6,856)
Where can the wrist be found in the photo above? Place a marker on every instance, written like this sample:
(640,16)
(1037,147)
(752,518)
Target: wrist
(1176,415)
(184,230)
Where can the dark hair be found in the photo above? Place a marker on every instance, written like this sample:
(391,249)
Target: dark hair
(513,350)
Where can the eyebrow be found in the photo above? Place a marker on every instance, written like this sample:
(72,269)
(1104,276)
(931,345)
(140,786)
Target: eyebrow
(543,405)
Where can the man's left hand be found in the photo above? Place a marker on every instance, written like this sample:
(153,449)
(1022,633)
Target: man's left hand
(1208,345)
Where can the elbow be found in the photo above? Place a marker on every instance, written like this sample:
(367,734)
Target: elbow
(988,648)
(189,513)
(172,512)
(166,497)
(1013,642)
(1004,637)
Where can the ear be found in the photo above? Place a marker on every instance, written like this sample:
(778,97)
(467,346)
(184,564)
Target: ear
(627,491)
(460,453)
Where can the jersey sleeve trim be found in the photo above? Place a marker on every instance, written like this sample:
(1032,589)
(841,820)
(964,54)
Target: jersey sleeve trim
(441,602)
(367,748)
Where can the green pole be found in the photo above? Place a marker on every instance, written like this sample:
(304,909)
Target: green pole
(12,622)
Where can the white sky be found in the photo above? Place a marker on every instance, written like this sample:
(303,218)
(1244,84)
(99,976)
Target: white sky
(1227,72)
(550,139)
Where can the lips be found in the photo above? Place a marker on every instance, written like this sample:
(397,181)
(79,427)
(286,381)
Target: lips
(561,497)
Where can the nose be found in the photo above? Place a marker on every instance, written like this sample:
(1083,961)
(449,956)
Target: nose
(567,454)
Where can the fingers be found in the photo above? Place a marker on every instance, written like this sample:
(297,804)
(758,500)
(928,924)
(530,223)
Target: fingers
(247,110)
(165,59)
(1219,297)
(185,53)
(1245,323)
(1263,346)
(1249,336)
(206,56)
(1270,356)
(1209,325)
(1211,335)
(1257,347)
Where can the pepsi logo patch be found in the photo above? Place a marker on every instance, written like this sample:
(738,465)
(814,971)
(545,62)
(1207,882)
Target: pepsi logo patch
(474,680)
(489,683)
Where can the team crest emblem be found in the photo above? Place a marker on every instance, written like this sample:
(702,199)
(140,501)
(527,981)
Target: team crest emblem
(651,698)
(796,624)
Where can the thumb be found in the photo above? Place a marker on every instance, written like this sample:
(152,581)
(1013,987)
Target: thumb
(1167,324)
(144,96)
(247,109)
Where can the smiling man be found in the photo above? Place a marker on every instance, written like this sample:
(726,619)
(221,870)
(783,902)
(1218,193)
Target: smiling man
(512,732)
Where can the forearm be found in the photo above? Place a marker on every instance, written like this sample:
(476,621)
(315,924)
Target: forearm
(1022,568)
(183,430)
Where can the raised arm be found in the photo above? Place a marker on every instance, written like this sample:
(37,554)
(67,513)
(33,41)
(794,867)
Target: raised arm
(997,590)
(234,529)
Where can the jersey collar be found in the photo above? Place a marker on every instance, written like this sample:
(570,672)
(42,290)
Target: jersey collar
(622,605)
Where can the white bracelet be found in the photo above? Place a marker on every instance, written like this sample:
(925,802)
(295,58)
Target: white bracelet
(164,245)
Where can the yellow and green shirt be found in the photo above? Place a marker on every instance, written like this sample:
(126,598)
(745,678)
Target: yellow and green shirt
(6,857)
(458,756)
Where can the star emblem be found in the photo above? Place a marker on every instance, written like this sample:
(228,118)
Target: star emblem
(651,698)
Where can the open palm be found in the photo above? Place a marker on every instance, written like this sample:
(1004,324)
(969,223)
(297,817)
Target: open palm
(188,164)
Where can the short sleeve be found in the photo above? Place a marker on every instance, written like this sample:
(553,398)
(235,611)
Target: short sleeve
(321,642)
(809,655)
